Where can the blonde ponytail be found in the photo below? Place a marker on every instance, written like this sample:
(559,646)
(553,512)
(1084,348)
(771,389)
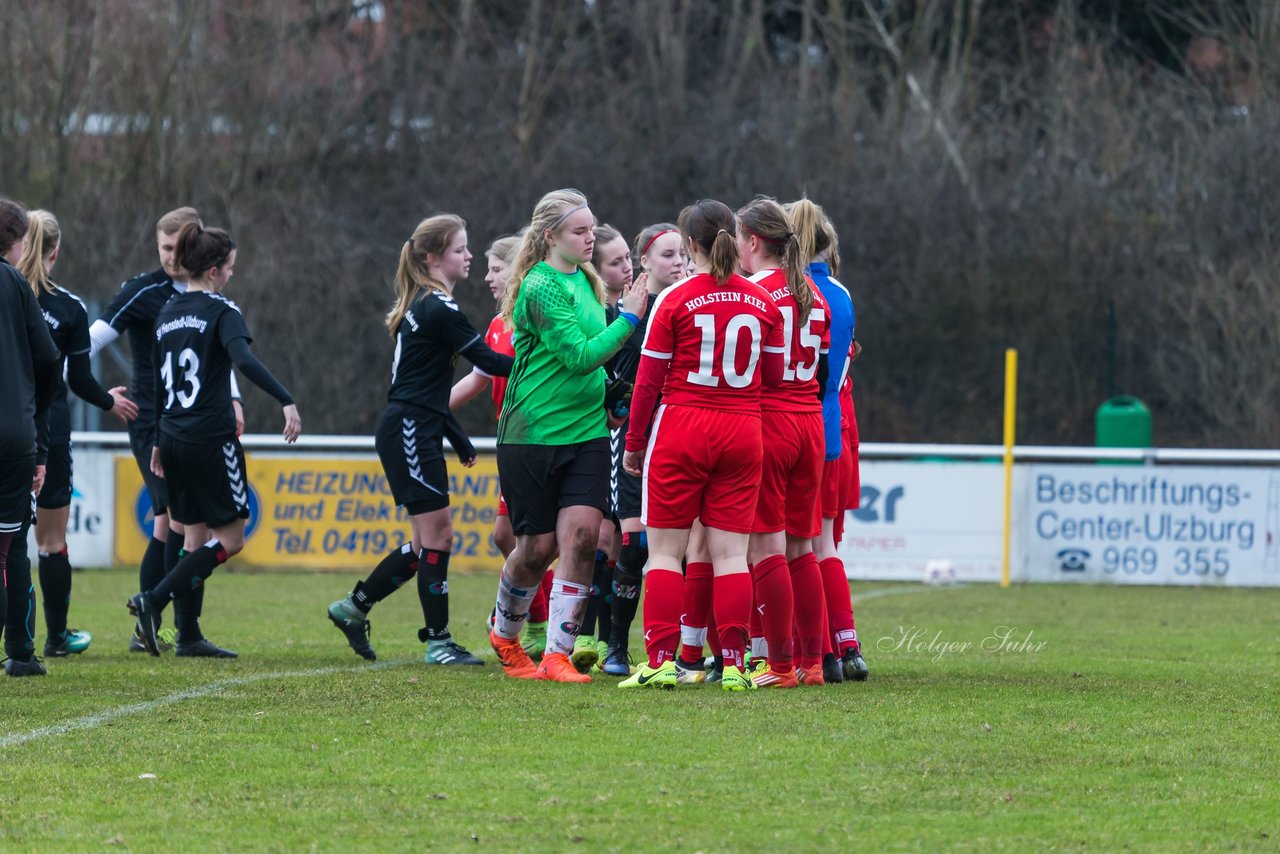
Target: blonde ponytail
(43,237)
(432,236)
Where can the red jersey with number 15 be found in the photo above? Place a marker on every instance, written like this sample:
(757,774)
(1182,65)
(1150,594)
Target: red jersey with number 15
(798,391)
(713,336)
(498,337)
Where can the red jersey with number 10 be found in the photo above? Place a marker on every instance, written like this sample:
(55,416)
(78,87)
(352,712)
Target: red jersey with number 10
(803,343)
(713,336)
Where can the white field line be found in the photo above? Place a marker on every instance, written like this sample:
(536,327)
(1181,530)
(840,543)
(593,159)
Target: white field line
(99,718)
(888,591)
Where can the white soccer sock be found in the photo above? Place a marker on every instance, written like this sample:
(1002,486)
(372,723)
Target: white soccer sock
(565,610)
(692,638)
(512,607)
(759,648)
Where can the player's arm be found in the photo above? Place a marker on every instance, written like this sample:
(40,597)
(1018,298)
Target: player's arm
(80,378)
(459,439)
(550,312)
(468,387)
(464,340)
(101,334)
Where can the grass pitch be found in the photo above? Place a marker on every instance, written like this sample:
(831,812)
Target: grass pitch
(1034,718)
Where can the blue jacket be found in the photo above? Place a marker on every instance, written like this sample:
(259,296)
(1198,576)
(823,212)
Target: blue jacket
(842,319)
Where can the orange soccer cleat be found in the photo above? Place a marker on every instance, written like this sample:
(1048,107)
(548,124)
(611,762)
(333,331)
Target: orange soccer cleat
(767,677)
(556,667)
(515,662)
(811,675)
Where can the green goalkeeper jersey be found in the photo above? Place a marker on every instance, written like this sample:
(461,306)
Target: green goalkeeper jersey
(555,395)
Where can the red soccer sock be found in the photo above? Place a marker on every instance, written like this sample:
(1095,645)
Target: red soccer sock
(806,582)
(775,605)
(663,598)
(538,608)
(693,616)
(835,586)
(732,606)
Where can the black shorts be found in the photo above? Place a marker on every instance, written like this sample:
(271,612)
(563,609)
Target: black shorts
(625,490)
(208,483)
(56,492)
(16,475)
(142,438)
(413,459)
(538,480)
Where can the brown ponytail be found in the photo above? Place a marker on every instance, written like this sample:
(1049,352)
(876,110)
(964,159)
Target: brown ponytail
(766,219)
(13,224)
(710,224)
(197,249)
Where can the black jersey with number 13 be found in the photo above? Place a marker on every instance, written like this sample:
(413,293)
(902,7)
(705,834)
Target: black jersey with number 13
(193,389)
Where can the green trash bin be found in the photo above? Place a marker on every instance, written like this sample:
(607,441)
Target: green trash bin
(1123,422)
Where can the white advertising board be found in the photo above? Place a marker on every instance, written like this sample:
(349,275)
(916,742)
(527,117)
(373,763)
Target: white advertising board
(913,513)
(1144,525)
(91,519)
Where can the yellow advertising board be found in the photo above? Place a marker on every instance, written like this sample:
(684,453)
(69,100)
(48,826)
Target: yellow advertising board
(332,512)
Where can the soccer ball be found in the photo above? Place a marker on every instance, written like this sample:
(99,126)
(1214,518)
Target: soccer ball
(939,573)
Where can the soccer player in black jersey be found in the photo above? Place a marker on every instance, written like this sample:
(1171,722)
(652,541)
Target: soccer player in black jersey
(133,312)
(69,326)
(430,332)
(198,336)
(28,366)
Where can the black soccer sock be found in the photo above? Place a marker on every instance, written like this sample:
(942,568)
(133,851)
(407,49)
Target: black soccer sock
(187,607)
(397,568)
(55,591)
(5,540)
(20,616)
(173,550)
(152,568)
(588,627)
(628,576)
(605,623)
(433,593)
(190,572)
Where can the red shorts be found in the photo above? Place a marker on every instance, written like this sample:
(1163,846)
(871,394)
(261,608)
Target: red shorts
(701,464)
(791,477)
(502,506)
(835,482)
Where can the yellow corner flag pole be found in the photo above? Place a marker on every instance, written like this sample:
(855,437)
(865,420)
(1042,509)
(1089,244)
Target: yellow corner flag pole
(1010,420)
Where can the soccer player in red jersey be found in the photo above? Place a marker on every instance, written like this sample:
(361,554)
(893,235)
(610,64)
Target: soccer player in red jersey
(788,582)
(713,341)
(819,247)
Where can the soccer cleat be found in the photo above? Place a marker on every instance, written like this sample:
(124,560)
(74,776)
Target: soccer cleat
(715,674)
(832,672)
(24,667)
(688,673)
(616,662)
(140,607)
(602,649)
(736,680)
(535,639)
(354,625)
(72,642)
(514,660)
(449,652)
(204,648)
(855,668)
(811,675)
(767,677)
(166,636)
(556,667)
(663,676)
(584,654)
